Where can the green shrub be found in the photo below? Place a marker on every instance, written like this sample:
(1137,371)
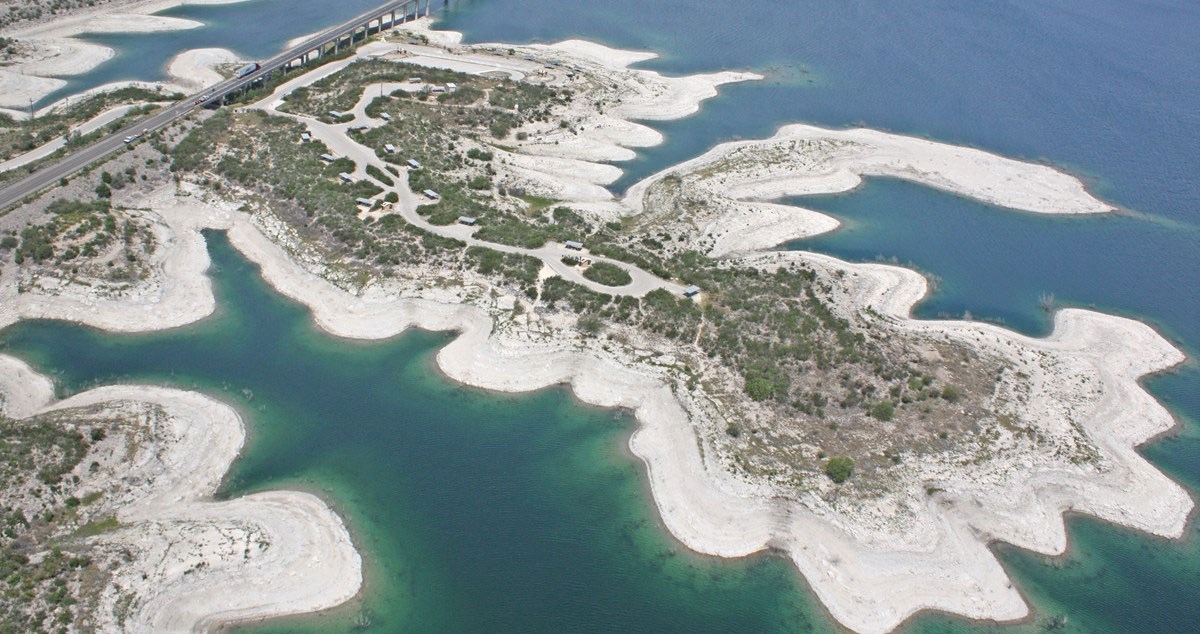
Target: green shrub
(479,155)
(500,129)
(759,388)
(379,175)
(883,410)
(839,469)
(951,393)
(590,324)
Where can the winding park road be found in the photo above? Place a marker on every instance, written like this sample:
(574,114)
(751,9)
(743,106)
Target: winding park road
(335,137)
(50,174)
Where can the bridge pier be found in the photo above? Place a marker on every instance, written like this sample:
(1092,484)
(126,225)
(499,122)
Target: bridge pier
(398,14)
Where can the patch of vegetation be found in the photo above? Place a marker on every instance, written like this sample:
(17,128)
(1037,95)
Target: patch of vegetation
(380,175)
(263,153)
(89,235)
(608,274)
(50,578)
(44,449)
(521,269)
(514,230)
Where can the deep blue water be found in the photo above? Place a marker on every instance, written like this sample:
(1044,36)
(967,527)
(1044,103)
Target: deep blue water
(1107,90)
(255,29)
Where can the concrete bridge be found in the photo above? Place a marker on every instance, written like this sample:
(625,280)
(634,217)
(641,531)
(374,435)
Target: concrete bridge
(383,17)
(333,39)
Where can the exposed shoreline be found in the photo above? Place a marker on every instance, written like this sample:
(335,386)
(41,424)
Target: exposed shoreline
(716,518)
(802,159)
(870,578)
(57,52)
(169,521)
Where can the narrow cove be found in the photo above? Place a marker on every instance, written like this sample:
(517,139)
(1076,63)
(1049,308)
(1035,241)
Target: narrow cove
(473,511)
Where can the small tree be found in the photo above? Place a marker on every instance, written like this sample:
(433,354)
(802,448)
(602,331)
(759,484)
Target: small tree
(883,410)
(951,393)
(590,324)
(759,389)
(839,469)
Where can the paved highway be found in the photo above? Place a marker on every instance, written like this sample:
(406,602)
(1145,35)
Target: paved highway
(85,156)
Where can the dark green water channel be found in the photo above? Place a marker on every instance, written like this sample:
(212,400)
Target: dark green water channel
(474,511)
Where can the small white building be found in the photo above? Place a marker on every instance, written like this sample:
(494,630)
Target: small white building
(451,86)
(573,245)
(691,291)
(468,221)
(389,148)
(328,158)
(414,164)
(431,195)
(365,202)
(385,116)
(346,178)
(306,137)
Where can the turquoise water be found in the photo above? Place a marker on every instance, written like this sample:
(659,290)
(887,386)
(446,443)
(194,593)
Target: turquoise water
(1102,88)
(256,29)
(475,511)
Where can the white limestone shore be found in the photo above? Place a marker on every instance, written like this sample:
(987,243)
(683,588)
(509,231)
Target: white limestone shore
(869,582)
(54,51)
(870,573)
(741,178)
(195,70)
(192,563)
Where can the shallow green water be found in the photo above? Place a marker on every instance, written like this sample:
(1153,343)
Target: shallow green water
(474,511)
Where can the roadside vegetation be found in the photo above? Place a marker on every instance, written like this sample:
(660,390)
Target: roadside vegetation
(20,136)
(87,237)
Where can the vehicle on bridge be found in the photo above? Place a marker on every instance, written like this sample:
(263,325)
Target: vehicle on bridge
(247,69)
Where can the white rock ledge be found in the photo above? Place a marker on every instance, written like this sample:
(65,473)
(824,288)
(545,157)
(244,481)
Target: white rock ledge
(870,583)
(198,563)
